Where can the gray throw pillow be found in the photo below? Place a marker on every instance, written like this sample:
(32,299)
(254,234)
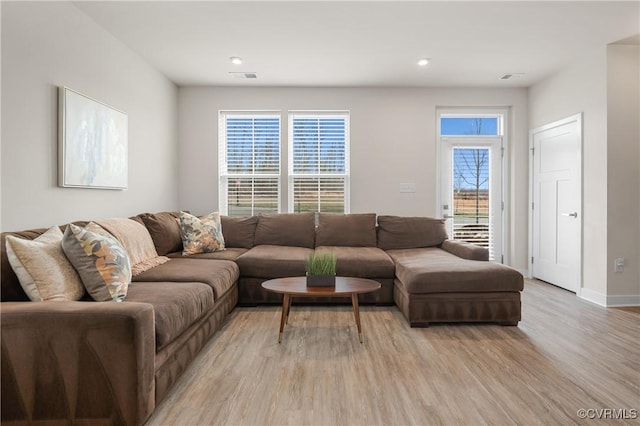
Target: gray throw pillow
(100,259)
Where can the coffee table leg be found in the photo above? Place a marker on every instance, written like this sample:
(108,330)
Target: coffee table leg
(289,309)
(356,312)
(285,312)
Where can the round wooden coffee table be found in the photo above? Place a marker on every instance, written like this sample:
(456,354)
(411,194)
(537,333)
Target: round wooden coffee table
(297,287)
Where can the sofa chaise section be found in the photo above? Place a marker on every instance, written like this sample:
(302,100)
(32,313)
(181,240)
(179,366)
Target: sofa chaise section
(434,285)
(441,280)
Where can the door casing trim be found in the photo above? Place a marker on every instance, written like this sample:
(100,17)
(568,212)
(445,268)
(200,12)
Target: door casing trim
(573,118)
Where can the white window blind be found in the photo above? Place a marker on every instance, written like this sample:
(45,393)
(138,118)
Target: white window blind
(249,156)
(319,162)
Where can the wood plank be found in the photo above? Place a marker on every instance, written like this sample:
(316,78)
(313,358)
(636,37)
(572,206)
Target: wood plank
(565,355)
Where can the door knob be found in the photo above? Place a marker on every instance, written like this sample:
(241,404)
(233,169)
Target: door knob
(573,215)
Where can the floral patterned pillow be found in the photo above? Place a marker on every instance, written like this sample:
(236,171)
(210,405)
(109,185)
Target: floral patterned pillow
(101,261)
(201,235)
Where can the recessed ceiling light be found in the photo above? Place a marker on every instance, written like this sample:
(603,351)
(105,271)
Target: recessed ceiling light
(423,62)
(235,60)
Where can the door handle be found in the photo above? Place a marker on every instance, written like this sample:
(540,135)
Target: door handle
(573,215)
(447,216)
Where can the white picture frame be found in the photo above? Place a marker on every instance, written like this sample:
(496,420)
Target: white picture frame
(92,143)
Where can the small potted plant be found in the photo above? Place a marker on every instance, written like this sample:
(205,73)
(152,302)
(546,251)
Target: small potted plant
(321,270)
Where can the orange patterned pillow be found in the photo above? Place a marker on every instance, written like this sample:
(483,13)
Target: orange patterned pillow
(100,259)
(201,235)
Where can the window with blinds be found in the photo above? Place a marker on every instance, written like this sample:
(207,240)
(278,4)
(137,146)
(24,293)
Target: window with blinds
(318,162)
(249,156)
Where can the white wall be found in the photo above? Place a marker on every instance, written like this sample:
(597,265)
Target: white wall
(605,87)
(51,44)
(623,172)
(581,87)
(393,140)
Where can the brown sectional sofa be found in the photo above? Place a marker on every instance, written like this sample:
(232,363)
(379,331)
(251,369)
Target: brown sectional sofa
(107,362)
(112,362)
(283,242)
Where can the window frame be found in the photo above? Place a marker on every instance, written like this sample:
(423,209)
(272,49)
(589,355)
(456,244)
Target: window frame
(291,174)
(504,115)
(224,176)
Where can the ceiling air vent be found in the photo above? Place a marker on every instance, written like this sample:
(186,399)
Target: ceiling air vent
(511,75)
(243,74)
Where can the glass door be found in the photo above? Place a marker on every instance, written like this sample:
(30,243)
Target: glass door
(471,183)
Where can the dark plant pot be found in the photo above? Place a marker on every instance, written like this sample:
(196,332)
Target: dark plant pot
(321,280)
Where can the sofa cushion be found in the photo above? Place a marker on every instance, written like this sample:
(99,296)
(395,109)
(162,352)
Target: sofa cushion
(226,254)
(267,261)
(363,262)
(395,232)
(239,231)
(101,261)
(433,270)
(465,250)
(201,234)
(289,229)
(176,306)
(136,240)
(348,230)
(164,228)
(220,275)
(43,270)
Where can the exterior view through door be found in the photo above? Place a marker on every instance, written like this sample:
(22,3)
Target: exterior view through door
(471,199)
(556,192)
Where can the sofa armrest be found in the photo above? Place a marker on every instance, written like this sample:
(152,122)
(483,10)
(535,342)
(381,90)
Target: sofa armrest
(465,250)
(79,361)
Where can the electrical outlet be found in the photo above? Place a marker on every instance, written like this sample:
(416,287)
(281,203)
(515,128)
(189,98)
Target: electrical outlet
(618,264)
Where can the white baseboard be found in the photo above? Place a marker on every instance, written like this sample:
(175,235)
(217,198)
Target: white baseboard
(609,301)
(593,296)
(623,300)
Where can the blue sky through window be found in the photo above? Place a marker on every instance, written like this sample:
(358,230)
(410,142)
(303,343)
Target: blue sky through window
(458,126)
(470,169)
(470,165)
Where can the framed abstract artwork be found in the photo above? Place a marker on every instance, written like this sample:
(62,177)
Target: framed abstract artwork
(92,143)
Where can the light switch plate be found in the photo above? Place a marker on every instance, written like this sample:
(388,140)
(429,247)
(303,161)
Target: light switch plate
(407,187)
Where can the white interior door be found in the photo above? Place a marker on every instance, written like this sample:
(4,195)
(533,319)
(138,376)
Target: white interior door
(471,191)
(557,202)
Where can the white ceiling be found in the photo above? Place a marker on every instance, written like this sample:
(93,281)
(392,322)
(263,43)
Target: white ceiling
(364,43)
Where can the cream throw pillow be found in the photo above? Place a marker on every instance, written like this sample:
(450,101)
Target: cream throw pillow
(137,241)
(42,268)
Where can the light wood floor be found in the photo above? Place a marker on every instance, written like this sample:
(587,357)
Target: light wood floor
(565,355)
